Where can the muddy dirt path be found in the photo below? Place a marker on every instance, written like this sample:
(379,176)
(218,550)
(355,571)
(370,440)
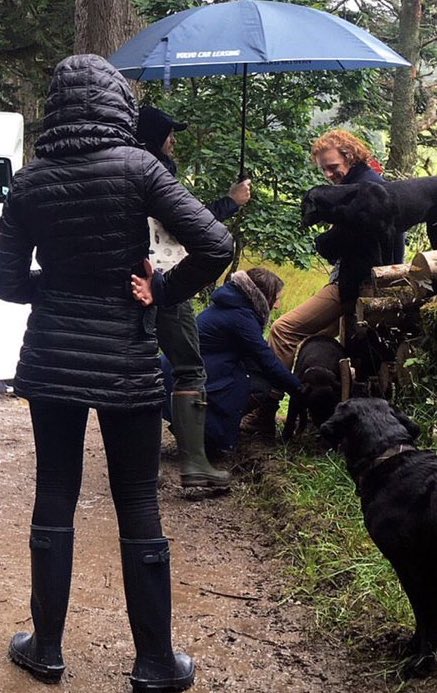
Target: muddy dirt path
(229,611)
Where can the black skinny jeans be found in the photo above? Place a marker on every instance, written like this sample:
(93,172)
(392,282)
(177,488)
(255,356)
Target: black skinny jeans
(132,442)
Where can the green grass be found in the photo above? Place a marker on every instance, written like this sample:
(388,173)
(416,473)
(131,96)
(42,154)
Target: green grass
(309,502)
(299,284)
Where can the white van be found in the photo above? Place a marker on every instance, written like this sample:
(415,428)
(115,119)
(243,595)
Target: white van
(13,317)
(11,150)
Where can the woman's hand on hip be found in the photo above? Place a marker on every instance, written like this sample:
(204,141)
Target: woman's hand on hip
(142,286)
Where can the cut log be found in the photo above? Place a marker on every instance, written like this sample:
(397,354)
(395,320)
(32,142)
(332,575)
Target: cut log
(404,292)
(423,273)
(428,316)
(387,275)
(373,311)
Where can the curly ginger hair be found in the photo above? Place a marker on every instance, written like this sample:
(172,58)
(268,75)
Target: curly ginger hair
(351,147)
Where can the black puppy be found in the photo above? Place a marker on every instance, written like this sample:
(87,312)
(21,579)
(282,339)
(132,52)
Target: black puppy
(363,231)
(317,366)
(394,206)
(398,488)
(358,206)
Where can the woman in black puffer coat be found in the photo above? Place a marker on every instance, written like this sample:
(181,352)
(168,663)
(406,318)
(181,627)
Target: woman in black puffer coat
(83,204)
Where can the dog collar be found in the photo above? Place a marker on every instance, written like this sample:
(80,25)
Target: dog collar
(395,450)
(386,455)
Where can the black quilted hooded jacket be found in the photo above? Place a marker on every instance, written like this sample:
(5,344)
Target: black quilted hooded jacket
(83,203)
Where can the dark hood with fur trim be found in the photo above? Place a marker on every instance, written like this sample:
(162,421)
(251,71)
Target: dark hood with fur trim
(248,295)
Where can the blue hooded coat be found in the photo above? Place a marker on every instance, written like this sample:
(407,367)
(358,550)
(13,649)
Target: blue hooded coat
(232,345)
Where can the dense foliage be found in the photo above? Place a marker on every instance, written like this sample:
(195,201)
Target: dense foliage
(34,36)
(279,132)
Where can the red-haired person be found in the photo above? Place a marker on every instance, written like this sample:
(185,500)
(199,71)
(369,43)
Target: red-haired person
(344,159)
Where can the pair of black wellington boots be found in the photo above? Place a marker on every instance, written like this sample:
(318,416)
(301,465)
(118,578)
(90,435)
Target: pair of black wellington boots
(146,574)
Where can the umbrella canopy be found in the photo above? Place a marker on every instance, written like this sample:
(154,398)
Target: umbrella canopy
(245,36)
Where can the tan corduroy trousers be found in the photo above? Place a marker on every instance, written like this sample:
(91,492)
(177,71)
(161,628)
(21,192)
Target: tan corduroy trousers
(320,314)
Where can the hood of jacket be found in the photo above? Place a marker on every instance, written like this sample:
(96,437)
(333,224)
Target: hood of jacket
(89,106)
(154,126)
(242,292)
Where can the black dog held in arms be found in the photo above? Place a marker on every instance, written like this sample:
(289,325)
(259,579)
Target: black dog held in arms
(317,365)
(397,484)
(393,206)
(363,231)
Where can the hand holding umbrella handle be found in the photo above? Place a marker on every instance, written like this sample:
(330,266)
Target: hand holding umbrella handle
(240,192)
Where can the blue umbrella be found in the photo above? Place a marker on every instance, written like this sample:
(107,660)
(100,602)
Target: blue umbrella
(244,36)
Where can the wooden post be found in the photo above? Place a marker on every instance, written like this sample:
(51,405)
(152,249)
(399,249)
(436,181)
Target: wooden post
(347,376)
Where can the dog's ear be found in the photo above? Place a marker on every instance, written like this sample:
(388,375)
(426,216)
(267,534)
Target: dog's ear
(312,206)
(335,427)
(412,427)
(343,205)
(381,198)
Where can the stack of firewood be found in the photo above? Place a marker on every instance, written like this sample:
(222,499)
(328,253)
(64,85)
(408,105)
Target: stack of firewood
(399,304)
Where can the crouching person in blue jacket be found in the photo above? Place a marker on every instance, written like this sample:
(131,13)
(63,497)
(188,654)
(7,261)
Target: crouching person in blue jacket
(241,368)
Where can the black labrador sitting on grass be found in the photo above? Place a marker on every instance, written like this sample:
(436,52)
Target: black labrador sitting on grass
(397,484)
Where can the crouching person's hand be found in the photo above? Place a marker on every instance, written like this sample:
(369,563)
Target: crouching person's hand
(302,393)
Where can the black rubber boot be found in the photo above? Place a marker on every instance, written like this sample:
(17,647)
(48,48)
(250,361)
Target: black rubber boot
(146,575)
(188,422)
(51,558)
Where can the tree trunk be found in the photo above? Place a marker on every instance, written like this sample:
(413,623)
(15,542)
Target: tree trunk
(403,136)
(103,26)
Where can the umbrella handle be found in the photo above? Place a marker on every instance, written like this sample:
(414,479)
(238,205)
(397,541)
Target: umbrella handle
(243,174)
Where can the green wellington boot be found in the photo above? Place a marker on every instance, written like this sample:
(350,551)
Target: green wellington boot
(188,423)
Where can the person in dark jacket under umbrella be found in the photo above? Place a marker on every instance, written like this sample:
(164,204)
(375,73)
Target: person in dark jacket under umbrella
(176,325)
(83,203)
(242,370)
(344,159)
